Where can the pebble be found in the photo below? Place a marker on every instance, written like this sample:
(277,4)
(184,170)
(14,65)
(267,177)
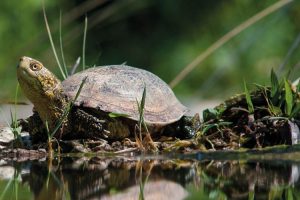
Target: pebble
(7,136)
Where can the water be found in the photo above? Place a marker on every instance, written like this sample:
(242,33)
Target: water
(197,176)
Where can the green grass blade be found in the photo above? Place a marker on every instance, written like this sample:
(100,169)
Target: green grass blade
(61,46)
(116,115)
(6,188)
(12,119)
(15,128)
(68,108)
(16,94)
(84,42)
(288,98)
(296,109)
(16,185)
(288,73)
(298,87)
(224,123)
(80,88)
(208,127)
(143,100)
(210,113)
(15,107)
(47,129)
(274,83)
(141,194)
(289,193)
(75,66)
(52,43)
(248,99)
(141,107)
(58,125)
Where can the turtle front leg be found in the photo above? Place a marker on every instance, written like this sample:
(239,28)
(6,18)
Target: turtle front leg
(82,124)
(185,128)
(35,127)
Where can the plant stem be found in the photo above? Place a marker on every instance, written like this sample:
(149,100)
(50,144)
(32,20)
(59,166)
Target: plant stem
(52,43)
(61,46)
(84,42)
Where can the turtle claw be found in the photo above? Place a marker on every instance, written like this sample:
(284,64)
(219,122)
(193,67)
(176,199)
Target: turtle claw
(105,133)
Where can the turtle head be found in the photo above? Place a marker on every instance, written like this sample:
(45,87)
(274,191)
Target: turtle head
(36,81)
(42,88)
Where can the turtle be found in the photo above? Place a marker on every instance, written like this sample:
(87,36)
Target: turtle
(107,91)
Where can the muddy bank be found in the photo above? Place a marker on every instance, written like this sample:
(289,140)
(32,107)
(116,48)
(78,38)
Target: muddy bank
(250,120)
(10,149)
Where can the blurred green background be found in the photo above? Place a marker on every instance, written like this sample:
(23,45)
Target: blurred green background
(160,36)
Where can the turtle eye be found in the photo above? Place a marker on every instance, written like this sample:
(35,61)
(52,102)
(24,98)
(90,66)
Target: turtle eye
(35,66)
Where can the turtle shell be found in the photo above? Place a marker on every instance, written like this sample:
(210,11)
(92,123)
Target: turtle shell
(117,88)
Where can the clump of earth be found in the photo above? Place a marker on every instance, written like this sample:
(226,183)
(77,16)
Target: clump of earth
(232,126)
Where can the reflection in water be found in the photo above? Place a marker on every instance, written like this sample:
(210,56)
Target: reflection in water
(155,178)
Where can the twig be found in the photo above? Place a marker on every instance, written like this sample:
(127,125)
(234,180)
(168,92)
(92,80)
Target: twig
(199,59)
(126,150)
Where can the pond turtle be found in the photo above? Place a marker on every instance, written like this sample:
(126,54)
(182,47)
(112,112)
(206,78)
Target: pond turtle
(107,89)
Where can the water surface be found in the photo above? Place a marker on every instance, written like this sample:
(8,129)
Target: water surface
(196,176)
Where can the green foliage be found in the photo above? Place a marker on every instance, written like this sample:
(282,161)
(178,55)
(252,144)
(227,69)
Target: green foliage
(289,194)
(282,100)
(116,115)
(64,75)
(275,110)
(15,127)
(248,99)
(61,46)
(298,87)
(289,100)
(50,135)
(141,192)
(141,108)
(296,109)
(13,189)
(210,114)
(84,42)
(217,125)
(142,184)
(274,84)
(251,195)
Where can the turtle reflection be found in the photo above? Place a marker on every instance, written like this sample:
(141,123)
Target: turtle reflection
(90,178)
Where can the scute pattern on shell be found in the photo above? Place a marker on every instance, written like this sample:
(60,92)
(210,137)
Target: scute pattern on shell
(116,88)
